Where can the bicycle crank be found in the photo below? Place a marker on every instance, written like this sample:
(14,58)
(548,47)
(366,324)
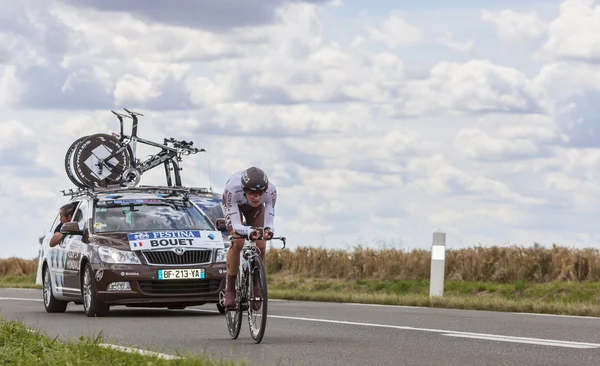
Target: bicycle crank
(131,177)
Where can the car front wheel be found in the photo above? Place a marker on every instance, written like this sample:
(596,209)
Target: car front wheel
(91,305)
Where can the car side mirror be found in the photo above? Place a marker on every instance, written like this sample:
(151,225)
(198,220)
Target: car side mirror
(221,225)
(71,228)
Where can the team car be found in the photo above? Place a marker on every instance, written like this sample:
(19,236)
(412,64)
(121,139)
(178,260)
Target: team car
(134,246)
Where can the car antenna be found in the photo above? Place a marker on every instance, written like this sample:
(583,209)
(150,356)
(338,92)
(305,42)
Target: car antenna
(209,179)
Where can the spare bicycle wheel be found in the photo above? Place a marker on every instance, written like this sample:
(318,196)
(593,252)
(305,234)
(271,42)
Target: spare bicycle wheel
(91,151)
(69,167)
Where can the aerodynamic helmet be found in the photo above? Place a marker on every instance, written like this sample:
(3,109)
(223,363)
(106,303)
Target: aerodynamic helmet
(255,179)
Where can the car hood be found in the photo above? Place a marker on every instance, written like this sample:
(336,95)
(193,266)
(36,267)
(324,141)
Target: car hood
(114,240)
(120,240)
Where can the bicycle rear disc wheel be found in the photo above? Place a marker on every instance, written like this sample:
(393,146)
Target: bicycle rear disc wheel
(96,147)
(69,162)
(257,300)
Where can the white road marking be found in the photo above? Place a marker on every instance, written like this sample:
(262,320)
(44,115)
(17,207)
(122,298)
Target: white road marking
(140,351)
(20,299)
(495,337)
(543,342)
(561,315)
(387,306)
(22,289)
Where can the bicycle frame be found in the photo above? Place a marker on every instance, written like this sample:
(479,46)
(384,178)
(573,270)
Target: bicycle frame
(133,139)
(168,155)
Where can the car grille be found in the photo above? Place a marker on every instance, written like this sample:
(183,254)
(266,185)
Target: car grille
(173,287)
(170,257)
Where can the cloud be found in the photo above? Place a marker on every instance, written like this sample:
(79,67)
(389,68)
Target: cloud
(569,91)
(396,32)
(440,178)
(218,17)
(501,139)
(13,137)
(448,40)
(575,33)
(476,86)
(514,27)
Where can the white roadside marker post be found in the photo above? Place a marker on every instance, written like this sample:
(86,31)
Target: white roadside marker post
(438,264)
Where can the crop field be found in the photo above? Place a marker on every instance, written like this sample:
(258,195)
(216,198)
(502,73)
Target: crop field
(557,280)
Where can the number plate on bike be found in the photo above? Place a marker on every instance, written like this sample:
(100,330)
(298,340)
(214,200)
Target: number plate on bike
(179,274)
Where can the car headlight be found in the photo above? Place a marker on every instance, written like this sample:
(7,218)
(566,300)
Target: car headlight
(112,255)
(221,255)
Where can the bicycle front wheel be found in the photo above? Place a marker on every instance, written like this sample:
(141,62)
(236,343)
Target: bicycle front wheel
(91,151)
(257,309)
(233,317)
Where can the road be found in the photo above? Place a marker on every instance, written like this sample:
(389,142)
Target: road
(312,333)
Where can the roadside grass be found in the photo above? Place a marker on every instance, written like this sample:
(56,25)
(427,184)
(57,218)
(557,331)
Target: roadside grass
(22,346)
(25,281)
(566,298)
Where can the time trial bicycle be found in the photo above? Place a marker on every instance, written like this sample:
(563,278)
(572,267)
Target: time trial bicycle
(251,290)
(103,159)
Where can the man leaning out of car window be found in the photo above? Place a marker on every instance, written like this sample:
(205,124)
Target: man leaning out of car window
(66,214)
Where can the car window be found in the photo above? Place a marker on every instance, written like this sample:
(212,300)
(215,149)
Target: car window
(54,223)
(81,215)
(147,215)
(212,208)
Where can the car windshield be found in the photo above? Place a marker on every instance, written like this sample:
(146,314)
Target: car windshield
(147,215)
(211,207)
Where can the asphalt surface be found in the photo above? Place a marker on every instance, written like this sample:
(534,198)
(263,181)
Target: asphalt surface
(312,333)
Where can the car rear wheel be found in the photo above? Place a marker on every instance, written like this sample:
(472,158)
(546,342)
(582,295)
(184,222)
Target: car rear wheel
(91,305)
(51,303)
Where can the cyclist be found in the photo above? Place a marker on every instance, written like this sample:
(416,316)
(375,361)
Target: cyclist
(250,193)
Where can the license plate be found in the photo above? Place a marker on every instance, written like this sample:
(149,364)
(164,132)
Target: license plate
(178,274)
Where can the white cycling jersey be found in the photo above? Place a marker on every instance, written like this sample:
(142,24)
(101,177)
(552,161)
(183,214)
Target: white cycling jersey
(234,195)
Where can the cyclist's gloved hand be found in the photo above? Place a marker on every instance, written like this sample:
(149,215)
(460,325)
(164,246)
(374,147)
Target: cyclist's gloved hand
(268,234)
(254,234)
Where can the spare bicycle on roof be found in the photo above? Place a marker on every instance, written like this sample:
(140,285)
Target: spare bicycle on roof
(101,160)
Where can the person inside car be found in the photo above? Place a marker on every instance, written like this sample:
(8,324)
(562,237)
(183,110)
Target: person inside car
(66,214)
(250,193)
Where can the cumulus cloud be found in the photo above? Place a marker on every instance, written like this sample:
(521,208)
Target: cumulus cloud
(476,86)
(396,32)
(569,92)
(219,16)
(514,27)
(448,40)
(500,139)
(575,33)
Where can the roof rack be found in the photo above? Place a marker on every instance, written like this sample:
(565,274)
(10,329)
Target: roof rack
(170,190)
(78,192)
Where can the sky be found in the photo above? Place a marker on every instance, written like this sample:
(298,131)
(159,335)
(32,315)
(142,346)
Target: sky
(379,122)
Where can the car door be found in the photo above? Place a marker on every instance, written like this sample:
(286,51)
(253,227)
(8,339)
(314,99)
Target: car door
(56,257)
(74,247)
(44,247)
